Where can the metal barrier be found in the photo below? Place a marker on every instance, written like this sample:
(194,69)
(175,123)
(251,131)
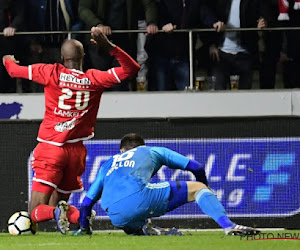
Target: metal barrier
(189,31)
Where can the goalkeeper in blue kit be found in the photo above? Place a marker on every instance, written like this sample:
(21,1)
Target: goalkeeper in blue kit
(130,200)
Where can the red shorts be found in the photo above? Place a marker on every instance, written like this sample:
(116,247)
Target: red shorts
(59,167)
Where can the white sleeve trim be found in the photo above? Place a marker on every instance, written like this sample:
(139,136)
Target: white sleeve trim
(29,72)
(116,76)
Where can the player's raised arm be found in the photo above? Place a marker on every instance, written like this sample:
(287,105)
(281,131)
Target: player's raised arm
(12,67)
(38,72)
(174,160)
(128,66)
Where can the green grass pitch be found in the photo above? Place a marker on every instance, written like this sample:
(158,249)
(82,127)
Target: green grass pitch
(118,240)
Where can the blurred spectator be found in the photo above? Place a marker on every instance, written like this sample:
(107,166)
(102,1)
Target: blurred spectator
(11,20)
(273,41)
(49,15)
(142,56)
(293,49)
(169,52)
(282,45)
(116,15)
(234,52)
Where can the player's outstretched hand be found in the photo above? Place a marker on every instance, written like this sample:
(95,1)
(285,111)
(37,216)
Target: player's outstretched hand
(11,57)
(100,39)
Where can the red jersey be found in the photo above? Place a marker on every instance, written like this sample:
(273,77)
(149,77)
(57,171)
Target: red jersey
(72,97)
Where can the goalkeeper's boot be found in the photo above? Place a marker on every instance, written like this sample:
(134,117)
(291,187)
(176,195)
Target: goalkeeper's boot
(148,230)
(172,231)
(240,230)
(82,231)
(60,214)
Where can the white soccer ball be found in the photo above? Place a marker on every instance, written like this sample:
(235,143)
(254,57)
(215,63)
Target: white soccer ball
(20,223)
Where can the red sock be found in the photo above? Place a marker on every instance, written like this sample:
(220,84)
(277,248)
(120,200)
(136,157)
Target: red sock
(73,214)
(42,213)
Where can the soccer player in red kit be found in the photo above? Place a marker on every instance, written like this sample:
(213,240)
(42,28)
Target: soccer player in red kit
(72,99)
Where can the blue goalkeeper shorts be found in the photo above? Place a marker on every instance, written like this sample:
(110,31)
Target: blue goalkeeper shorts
(133,211)
(154,200)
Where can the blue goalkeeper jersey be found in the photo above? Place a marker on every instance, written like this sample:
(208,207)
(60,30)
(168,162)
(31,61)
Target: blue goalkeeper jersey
(127,173)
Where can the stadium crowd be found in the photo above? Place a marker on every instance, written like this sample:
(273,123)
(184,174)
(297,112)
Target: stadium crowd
(221,57)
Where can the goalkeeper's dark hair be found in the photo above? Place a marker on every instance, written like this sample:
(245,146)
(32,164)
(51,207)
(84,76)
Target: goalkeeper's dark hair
(131,140)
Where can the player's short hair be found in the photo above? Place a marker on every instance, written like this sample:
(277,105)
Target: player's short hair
(131,140)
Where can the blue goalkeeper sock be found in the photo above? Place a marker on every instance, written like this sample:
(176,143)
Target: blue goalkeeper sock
(211,206)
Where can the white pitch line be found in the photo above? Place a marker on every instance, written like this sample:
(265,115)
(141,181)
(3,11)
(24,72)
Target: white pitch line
(39,244)
(193,230)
